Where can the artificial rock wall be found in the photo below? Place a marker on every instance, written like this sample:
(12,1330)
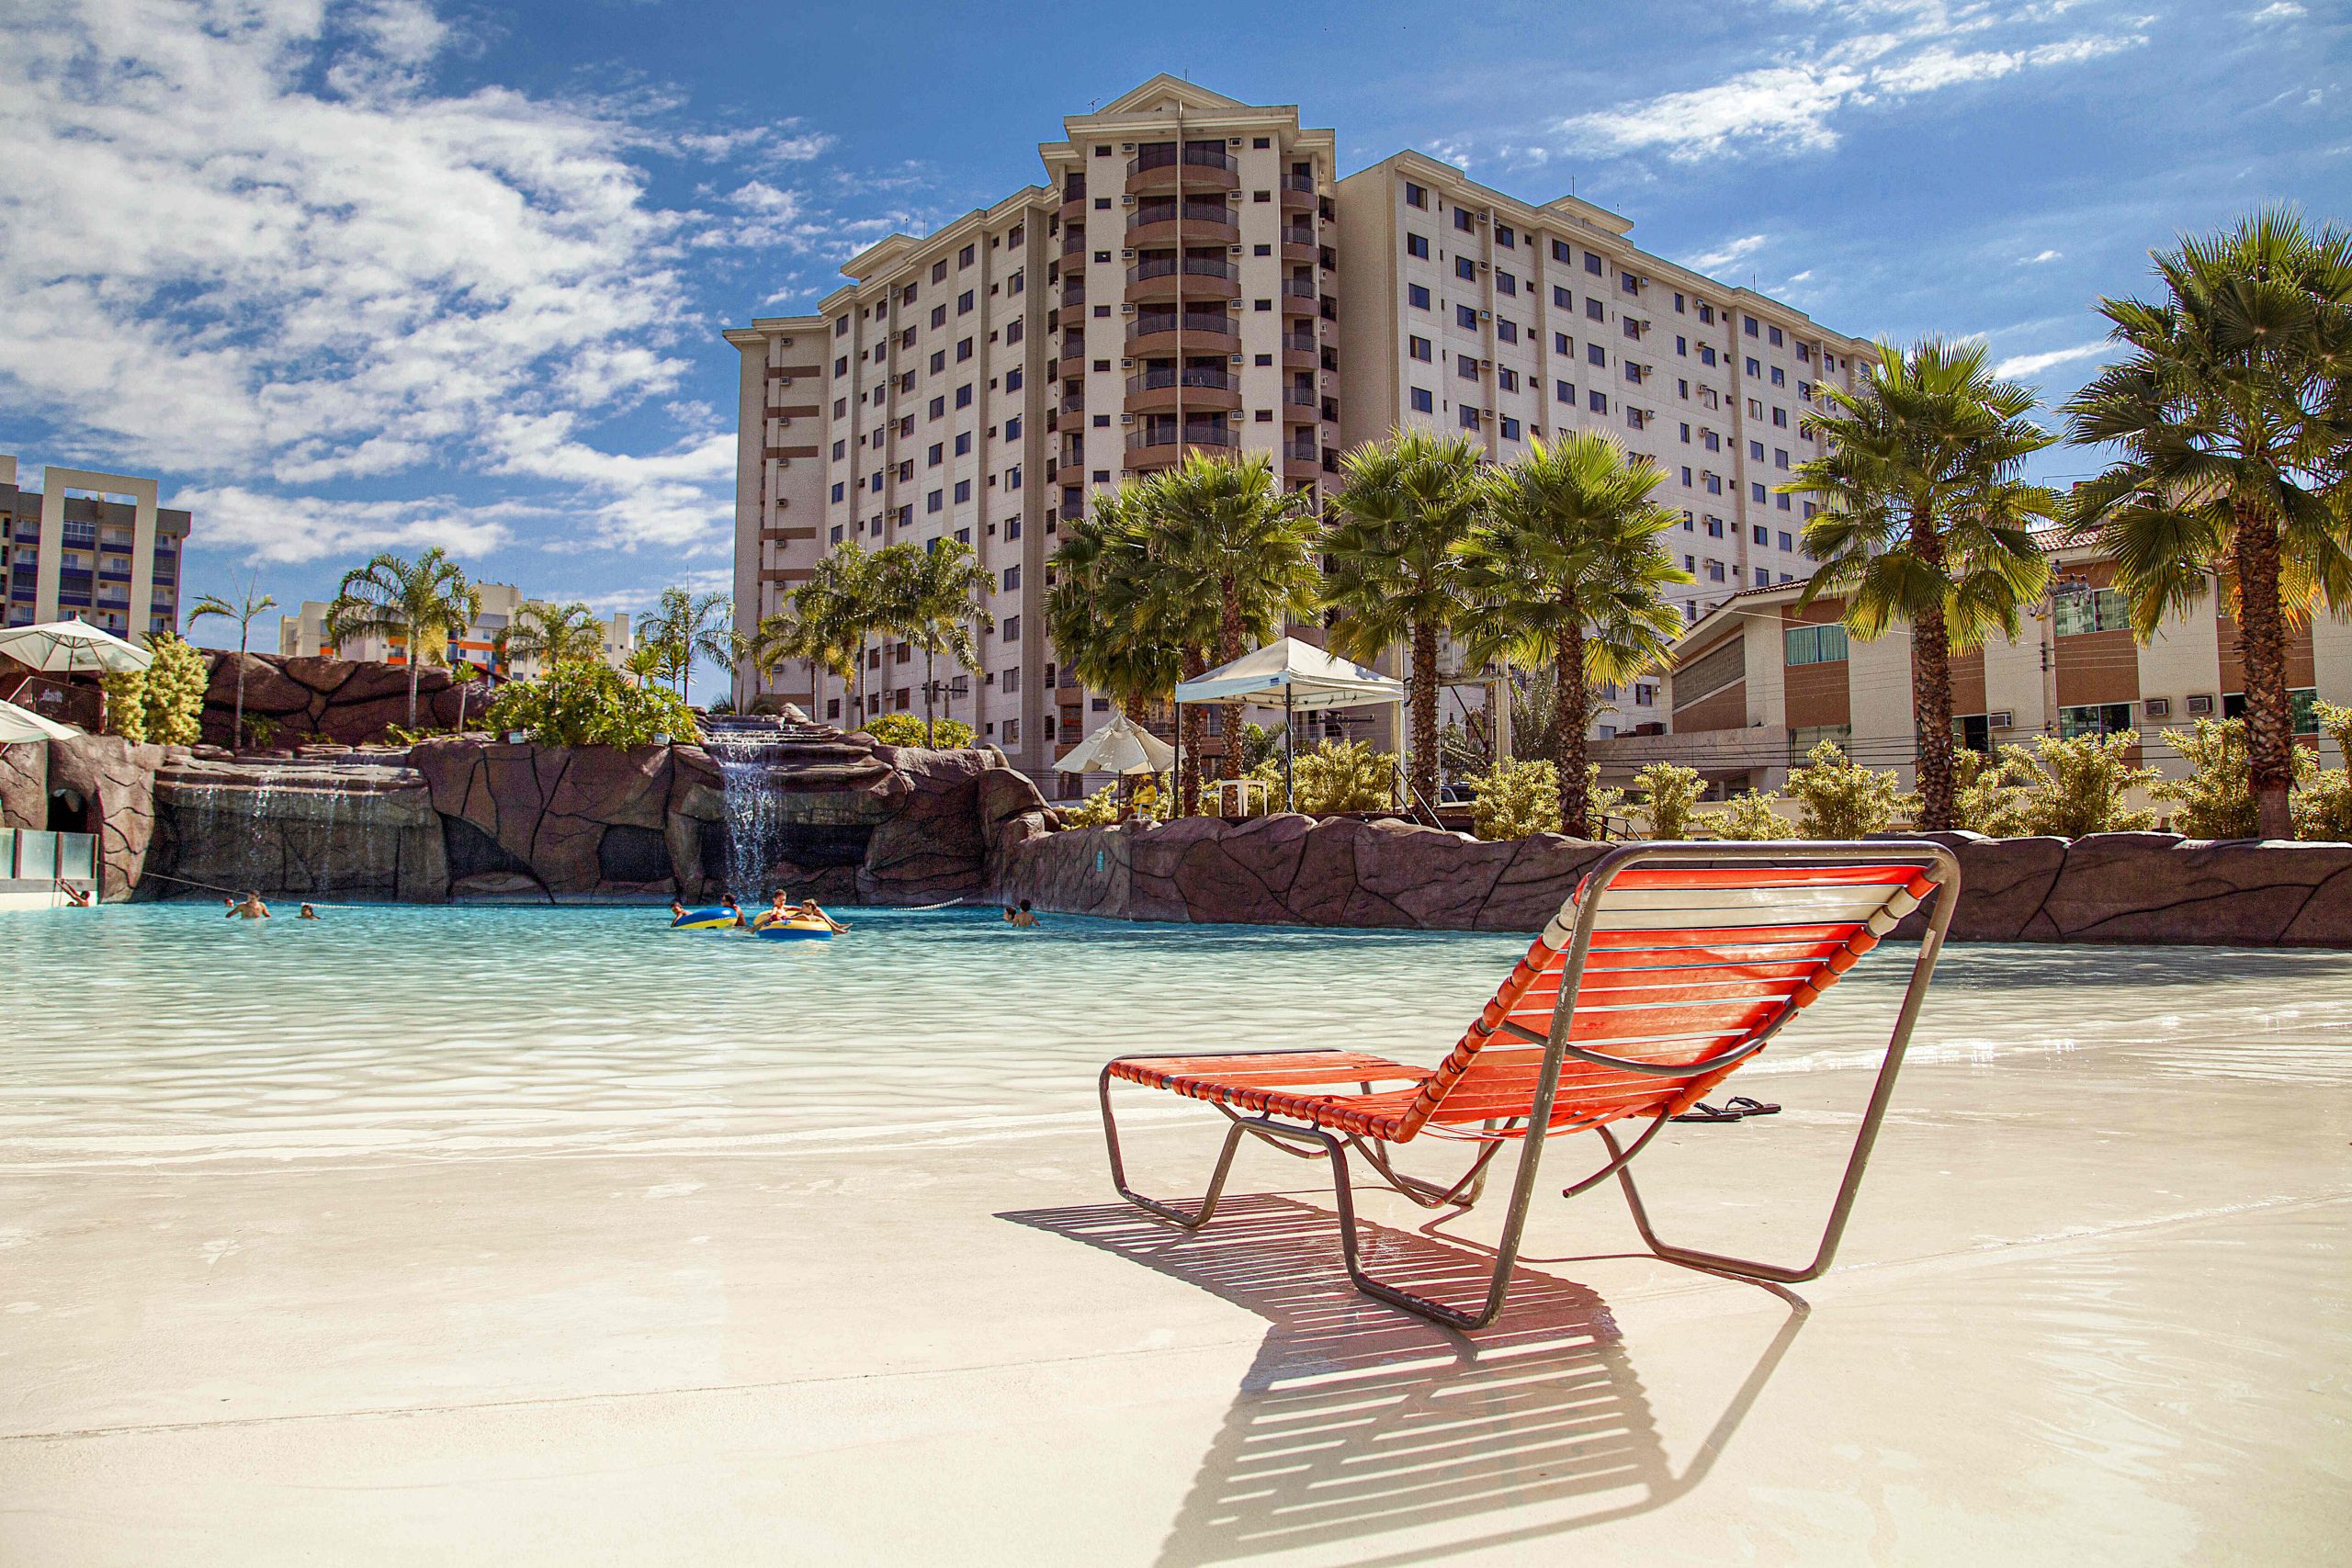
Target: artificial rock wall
(2155,888)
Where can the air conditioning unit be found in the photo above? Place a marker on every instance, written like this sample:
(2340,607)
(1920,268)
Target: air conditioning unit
(2001,720)
(2200,706)
(1233,198)
(1126,201)
(1233,250)
(2157,707)
(1485,365)
(1127,419)
(1235,359)
(1486,266)
(783,380)
(1126,309)
(1485,315)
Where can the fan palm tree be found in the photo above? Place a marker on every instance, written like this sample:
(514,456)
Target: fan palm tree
(244,614)
(555,634)
(1397,573)
(1929,519)
(1228,538)
(1566,570)
(935,598)
(426,603)
(2234,411)
(1100,609)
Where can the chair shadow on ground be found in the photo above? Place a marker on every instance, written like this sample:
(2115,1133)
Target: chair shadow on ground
(1356,1420)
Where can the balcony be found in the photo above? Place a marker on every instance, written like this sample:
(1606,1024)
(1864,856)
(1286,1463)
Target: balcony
(1298,193)
(1074,403)
(1168,223)
(1301,459)
(1194,390)
(1299,297)
(1073,293)
(1073,240)
(1300,351)
(1148,449)
(1164,333)
(1202,166)
(1197,277)
(1300,403)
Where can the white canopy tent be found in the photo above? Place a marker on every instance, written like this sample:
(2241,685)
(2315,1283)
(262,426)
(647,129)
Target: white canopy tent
(68,647)
(1297,677)
(1121,747)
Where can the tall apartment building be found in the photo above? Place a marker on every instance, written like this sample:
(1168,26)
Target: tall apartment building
(115,549)
(1192,275)
(1758,683)
(304,635)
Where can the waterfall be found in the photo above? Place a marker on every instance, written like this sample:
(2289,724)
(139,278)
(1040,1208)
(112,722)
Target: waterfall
(745,753)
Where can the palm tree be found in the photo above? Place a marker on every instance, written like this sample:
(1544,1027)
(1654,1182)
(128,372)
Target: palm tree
(1929,520)
(1100,612)
(1397,573)
(841,604)
(425,603)
(687,625)
(935,598)
(644,665)
(1566,570)
(1229,538)
(245,615)
(2234,411)
(555,634)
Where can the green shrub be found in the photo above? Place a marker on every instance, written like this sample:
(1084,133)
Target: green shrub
(2322,806)
(1336,775)
(1097,810)
(906,730)
(1837,798)
(173,691)
(1514,799)
(1672,800)
(2217,797)
(1258,747)
(261,730)
(126,693)
(2073,788)
(585,702)
(1991,793)
(1751,817)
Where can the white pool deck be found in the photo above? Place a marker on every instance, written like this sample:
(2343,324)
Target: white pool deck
(2089,1311)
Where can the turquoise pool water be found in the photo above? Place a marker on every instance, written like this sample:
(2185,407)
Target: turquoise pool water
(164,1032)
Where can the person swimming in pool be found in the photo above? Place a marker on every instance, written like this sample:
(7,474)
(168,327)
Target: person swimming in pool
(677,911)
(251,908)
(1022,917)
(806,910)
(780,908)
(308,913)
(735,910)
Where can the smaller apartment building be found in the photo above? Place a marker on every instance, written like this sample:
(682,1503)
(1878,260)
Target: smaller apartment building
(305,635)
(115,549)
(1758,683)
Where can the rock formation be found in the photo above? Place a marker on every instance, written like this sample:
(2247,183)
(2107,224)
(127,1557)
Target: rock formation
(117,781)
(325,699)
(304,832)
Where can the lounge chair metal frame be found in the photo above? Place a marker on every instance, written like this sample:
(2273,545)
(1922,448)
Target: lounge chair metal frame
(1322,1143)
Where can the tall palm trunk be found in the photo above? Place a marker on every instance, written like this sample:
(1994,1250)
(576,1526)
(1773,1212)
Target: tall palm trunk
(930,736)
(1192,732)
(1424,701)
(237,725)
(1567,729)
(2262,644)
(1133,707)
(1931,689)
(413,655)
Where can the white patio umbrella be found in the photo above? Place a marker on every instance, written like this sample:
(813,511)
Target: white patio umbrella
(1121,747)
(23,724)
(74,647)
(1301,677)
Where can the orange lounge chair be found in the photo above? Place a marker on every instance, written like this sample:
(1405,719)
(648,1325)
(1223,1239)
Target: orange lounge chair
(1670,966)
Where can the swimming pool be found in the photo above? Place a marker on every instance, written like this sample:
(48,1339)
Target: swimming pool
(164,1033)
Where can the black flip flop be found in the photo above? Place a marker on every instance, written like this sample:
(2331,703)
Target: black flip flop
(1741,1105)
(1705,1113)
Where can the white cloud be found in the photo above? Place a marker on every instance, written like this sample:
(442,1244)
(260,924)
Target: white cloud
(1873,52)
(1728,254)
(253,244)
(2282,11)
(1454,150)
(2037,259)
(2034,364)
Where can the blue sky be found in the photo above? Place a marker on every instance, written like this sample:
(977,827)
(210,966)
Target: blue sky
(384,273)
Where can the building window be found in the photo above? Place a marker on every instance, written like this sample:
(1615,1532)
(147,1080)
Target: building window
(838,489)
(2101,610)
(1417,245)
(964,396)
(1418,348)
(1774,337)
(1417,297)
(2094,719)
(1505,332)
(1466,317)
(1507,380)
(1592,264)
(1819,644)
(1596,354)
(964,256)
(1463,268)
(962,490)
(1597,401)
(1423,402)
(1511,429)
(1594,311)
(1465,220)
(1563,392)
(1468,417)
(1505,284)
(1010,627)
(935,501)
(1415,196)
(1465,367)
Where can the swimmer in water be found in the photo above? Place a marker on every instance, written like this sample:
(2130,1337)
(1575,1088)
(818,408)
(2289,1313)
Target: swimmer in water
(677,910)
(807,910)
(253,909)
(735,910)
(1022,917)
(780,910)
(308,914)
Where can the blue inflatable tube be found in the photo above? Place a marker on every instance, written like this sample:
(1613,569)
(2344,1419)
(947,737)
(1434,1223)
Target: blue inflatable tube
(704,920)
